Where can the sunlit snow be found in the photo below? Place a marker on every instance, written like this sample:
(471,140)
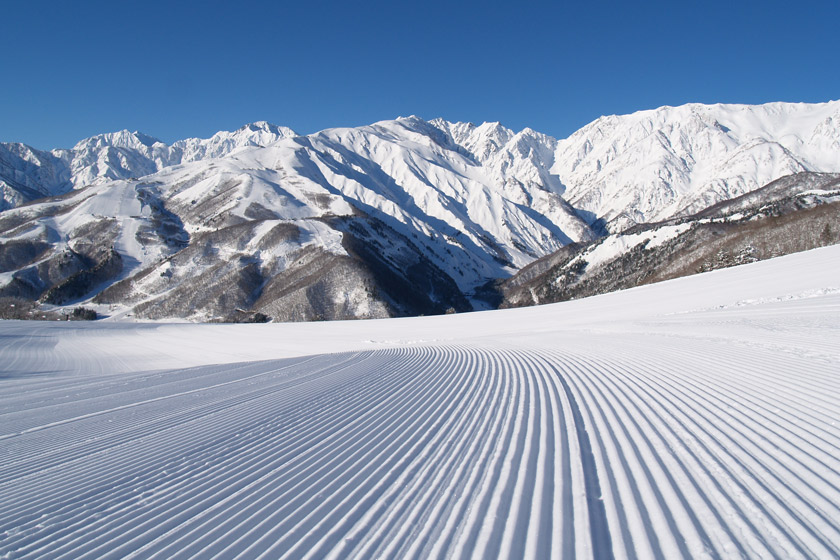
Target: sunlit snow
(693,418)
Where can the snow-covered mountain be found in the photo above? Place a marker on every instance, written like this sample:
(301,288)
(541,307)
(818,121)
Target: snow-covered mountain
(646,166)
(399,217)
(796,213)
(27,174)
(653,165)
(222,143)
(399,207)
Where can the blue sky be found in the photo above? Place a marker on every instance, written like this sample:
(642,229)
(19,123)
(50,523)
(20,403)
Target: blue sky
(178,69)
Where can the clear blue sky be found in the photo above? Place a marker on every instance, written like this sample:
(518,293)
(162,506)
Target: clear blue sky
(178,69)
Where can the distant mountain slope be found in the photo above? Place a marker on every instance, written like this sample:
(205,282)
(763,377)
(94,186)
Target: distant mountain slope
(398,212)
(671,161)
(27,174)
(792,214)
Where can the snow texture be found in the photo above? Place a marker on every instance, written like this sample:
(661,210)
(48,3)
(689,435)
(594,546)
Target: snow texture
(692,418)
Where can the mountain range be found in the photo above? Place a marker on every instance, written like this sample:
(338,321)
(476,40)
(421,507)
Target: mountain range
(401,217)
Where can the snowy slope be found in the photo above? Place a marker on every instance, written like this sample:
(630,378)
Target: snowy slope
(795,213)
(655,164)
(407,170)
(693,418)
(27,173)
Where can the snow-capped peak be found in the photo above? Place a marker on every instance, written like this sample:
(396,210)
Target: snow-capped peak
(121,139)
(644,166)
(657,163)
(263,130)
(260,133)
(481,141)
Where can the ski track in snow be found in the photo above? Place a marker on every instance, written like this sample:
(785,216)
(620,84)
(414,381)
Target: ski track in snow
(696,435)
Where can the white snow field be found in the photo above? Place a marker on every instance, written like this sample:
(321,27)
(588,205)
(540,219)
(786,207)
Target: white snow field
(695,418)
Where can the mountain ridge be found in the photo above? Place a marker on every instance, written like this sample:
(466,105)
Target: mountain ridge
(656,163)
(394,204)
(568,163)
(113,156)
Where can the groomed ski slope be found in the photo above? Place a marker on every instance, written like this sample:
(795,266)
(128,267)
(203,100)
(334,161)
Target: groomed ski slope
(694,418)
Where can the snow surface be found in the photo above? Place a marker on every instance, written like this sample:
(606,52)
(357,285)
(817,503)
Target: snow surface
(693,418)
(613,246)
